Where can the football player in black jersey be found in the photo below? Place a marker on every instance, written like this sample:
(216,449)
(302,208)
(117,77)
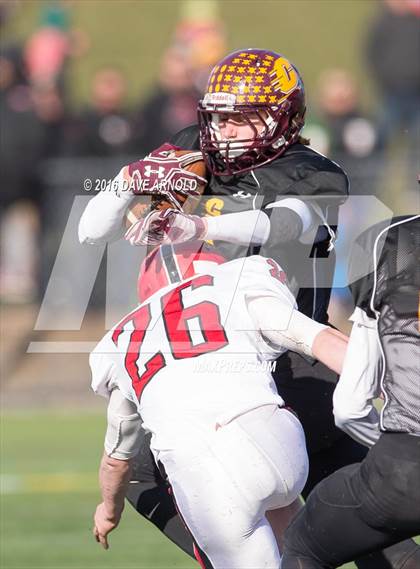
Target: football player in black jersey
(268,192)
(375,503)
(250,120)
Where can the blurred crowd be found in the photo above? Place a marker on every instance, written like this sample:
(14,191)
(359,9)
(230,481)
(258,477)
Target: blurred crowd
(40,133)
(42,137)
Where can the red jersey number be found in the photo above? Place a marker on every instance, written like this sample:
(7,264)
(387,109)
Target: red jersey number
(176,318)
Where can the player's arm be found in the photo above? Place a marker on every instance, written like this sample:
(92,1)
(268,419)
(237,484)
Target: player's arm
(122,441)
(292,218)
(329,347)
(102,219)
(280,222)
(283,221)
(286,328)
(114,476)
(353,397)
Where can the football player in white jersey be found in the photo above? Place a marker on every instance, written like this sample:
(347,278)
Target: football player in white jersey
(190,364)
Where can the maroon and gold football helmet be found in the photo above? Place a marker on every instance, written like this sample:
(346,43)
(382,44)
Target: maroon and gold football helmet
(252,83)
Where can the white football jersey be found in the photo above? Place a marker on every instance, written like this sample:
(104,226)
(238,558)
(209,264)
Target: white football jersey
(191,354)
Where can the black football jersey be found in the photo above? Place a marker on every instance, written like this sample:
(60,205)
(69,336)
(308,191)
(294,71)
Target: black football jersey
(302,172)
(389,292)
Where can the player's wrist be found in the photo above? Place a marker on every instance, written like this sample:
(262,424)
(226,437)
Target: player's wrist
(113,511)
(201,228)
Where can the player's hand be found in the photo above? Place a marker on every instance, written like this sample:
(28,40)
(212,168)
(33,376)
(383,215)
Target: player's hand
(103,525)
(167,227)
(160,173)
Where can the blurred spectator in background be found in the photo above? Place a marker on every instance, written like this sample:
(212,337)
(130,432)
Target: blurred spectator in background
(34,128)
(105,125)
(91,145)
(198,43)
(171,106)
(203,40)
(392,53)
(20,131)
(20,151)
(49,107)
(48,48)
(345,132)
(46,54)
(393,49)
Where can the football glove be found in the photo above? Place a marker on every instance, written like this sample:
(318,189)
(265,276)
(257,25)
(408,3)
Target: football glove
(161,173)
(169,226)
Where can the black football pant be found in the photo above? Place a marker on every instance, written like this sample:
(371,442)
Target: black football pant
(361,508)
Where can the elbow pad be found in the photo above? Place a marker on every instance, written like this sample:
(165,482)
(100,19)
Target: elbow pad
(124,432)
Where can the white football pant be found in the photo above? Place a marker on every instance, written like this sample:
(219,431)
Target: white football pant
(224,485)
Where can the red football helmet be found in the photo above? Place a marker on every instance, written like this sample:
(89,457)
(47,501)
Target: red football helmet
(252,83)
(169,264)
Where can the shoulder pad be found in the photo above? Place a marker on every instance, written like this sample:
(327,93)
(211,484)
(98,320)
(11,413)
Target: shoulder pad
(302,171)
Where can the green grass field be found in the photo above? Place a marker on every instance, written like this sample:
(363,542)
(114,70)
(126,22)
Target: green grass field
(49,492)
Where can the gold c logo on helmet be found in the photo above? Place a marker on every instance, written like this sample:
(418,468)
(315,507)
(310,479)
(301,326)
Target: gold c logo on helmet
(286,78)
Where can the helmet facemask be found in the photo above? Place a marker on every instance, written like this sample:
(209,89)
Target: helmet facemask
(234,156)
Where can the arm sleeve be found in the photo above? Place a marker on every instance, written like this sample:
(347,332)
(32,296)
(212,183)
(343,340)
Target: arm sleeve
(102,220)
(287,220)
(124,433)
(282,325)
(293,218)
(354,411)
(244,227)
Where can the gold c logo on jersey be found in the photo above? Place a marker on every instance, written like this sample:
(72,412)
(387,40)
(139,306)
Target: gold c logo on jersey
(214,206)
(287,78)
